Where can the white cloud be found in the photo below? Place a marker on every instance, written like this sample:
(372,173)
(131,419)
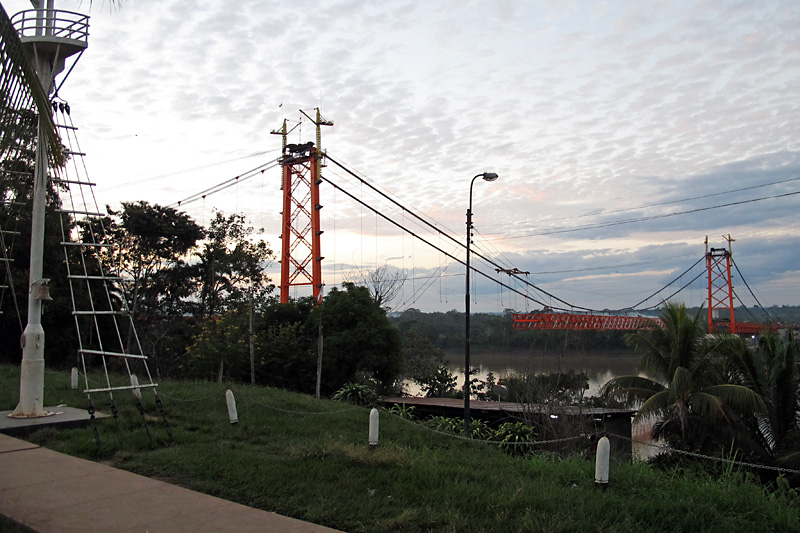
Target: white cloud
(581,107)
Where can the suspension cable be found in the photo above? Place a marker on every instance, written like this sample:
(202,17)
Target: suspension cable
(477,254)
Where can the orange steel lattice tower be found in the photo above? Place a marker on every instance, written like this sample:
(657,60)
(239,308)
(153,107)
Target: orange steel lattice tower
(720,288)
(301,260)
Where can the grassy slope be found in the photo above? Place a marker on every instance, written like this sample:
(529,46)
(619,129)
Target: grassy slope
(317,467)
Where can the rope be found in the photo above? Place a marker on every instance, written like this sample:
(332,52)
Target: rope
(190,400)
(669,449)
(251,400)
(493,442)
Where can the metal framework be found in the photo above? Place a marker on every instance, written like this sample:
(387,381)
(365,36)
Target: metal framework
(720,289)
(577,321)
(301,260)
(720,298)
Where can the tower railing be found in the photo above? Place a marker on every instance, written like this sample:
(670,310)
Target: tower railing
(53,24)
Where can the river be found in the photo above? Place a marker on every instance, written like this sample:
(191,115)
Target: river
(600,367)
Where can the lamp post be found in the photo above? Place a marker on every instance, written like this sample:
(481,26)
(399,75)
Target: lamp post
(487,176)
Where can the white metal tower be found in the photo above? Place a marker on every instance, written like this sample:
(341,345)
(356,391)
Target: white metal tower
(49,37)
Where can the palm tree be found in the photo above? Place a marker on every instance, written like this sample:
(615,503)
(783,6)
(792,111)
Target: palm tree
(771,369)
(688,395)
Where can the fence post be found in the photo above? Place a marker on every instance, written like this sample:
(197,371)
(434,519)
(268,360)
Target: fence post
(601,463)
(231,401)
(373,429)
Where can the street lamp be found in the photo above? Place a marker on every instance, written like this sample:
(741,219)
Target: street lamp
(487,176)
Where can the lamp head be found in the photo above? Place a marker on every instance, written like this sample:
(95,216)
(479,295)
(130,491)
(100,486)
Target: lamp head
(489,176)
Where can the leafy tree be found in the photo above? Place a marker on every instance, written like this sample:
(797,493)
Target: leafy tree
(421,359)
(286,347)
(440,384)
(152,242)
(222,345)
(694,405)
(231,265)
(358,340)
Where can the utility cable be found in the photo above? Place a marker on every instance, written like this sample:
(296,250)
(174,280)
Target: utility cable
(644,219)
(400,226)
(751,291)
(226,184)
(669,202)
(670,283)
(489,261)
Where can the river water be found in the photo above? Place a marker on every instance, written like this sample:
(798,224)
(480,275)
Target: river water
(600,367)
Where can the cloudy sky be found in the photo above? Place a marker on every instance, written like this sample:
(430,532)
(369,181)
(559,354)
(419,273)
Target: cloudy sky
(624,133)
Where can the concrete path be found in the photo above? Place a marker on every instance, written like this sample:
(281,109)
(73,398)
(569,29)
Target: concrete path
(48,491)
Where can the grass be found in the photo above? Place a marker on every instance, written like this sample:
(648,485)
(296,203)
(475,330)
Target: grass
(309,459)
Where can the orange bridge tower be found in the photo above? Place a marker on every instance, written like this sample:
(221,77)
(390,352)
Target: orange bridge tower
(301,259)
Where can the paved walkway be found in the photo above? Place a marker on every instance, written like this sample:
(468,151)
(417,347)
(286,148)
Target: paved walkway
(48,491)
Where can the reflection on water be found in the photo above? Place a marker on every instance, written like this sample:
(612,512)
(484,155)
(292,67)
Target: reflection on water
(600,367)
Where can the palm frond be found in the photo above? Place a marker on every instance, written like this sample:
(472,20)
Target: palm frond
(630,389)
(656,405)
(738,398)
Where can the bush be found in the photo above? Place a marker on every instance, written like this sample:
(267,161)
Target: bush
(357,394)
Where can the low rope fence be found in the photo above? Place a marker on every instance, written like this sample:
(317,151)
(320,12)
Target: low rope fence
(661,447)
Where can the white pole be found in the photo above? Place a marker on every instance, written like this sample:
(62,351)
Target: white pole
(31,382)
(373,429)
(231,401)
(135,384)
(601,463)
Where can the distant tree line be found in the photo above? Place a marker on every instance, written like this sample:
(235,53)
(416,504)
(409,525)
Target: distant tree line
(495,332)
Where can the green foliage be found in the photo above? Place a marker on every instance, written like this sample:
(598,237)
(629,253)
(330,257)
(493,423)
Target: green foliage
(151,242)
(772,370)
(357,394)
(696,408)
(421,358)
(513,436)
(358,340)
(445,424)
(558,388)
(232,265)
(481,430)
(309,459)
(359,344)
(404,411)
(441,384)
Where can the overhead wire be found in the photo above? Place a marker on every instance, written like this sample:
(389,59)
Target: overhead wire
(451,256)
(183,171)
(751,291)
(668,202)
(219,187)
(647,218)
(568,305)
(668,284)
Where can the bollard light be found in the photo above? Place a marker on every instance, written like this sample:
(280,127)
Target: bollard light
(73,378)
(231,401)
(601,463)
(135,384)
(373,429)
